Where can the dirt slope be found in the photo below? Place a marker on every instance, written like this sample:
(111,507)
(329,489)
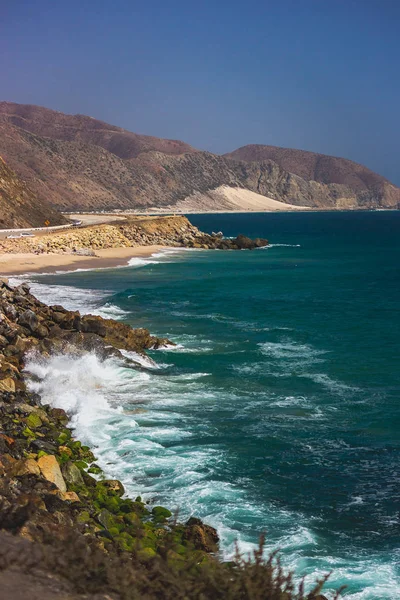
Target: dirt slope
(19,207)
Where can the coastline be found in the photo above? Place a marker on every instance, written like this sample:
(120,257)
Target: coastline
(24,263)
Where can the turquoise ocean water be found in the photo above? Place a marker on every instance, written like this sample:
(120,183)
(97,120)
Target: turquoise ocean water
(279,409)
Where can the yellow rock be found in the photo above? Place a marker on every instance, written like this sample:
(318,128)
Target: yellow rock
(65,450)
(50,470)
(68,496)
(26,467)
(7,385)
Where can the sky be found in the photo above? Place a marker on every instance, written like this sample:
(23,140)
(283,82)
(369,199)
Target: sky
(320,75)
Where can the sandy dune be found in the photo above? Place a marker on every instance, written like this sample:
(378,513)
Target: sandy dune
(226,199)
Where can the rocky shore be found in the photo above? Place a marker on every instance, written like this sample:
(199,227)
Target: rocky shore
(172,231)
(49,482)
(66,531)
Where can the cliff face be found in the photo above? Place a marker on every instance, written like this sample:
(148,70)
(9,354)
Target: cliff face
(81,163)
(19,207)
(368,187)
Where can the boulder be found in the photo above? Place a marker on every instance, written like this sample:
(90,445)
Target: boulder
(7,384)
(90,324)
(72,474)
(203,537)
(50,470)
(29,319)
(68,496)
(23,289)
(26,467)
(114,486)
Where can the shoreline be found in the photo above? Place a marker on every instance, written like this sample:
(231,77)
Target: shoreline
(25,263)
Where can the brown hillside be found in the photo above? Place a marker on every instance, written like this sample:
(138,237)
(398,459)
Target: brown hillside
(19,207)
(322,168)
(77,162)
(79,128)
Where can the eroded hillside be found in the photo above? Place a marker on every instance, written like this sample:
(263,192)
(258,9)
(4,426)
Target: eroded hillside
(19,207)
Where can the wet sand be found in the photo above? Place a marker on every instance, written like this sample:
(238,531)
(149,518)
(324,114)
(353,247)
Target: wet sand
(18,264)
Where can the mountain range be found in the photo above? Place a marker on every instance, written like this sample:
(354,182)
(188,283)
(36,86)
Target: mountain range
(76,162)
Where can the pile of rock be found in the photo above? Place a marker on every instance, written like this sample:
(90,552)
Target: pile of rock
(27,324)
(162,231)
(47,483)
(90,238)
(179,232)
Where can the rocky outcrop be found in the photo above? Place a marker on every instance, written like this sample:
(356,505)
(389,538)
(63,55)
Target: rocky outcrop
(46,483)
(162,231)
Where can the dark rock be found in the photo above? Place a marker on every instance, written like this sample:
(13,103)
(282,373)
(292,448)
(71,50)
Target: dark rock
(244,243)
(72,474)
(203,537)
(10,311)
(23,289)
(90,324)
(48,447)
(114,486)
(29,319)
(41,331)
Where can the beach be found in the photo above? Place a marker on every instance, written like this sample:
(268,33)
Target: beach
(18,264)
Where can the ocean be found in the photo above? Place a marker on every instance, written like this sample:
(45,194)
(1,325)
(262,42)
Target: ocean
(278,410)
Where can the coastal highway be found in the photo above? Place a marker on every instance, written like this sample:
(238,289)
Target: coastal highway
(86,220)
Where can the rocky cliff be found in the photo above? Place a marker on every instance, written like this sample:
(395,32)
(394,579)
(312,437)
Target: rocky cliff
(80,163)
(368,187)
(19,207)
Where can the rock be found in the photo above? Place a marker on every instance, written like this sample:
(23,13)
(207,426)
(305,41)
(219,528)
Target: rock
(50,470)
(40,445)
(26,467)
(244,243)
(41,331)
(29,319)
(22,344)
(59,415)
(106,519)
(33,421)
(114,486)
(7,439)
(23,289)
(68,496)
(10,311)
(7,384)
(27,408)
(261,242)
(72,474)
(203,537)
(58,317)
(95,325)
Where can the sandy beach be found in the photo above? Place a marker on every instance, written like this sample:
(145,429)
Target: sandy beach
(18,264)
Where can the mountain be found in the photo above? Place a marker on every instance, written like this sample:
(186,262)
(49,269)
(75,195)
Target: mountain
(79,128)
(324,169)
(19,207)
(78,162)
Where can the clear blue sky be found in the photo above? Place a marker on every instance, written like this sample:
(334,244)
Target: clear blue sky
(314,74)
